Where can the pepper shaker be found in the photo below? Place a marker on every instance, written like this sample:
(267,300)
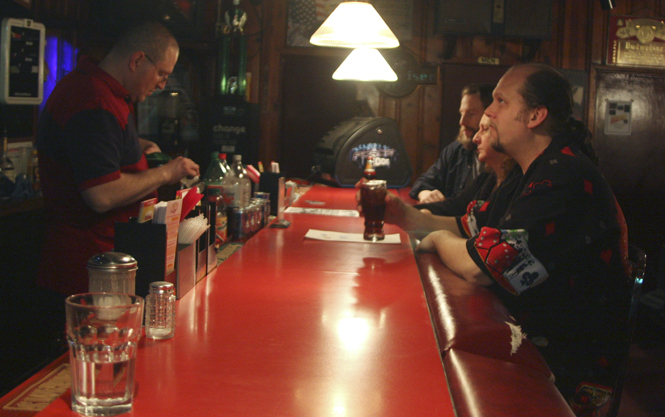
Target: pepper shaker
(160,310)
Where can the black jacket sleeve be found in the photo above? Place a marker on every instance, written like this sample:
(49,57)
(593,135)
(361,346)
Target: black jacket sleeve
(449,174)
(457,205)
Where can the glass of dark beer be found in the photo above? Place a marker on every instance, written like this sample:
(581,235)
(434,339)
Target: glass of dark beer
(373,202)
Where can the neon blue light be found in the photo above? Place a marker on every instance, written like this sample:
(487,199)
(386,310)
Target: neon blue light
(68,58)
(51,65)
(60,59)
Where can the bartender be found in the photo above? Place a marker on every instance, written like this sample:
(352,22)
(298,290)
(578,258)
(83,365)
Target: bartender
(92,163)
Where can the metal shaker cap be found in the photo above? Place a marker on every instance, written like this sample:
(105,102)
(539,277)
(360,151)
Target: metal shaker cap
(112,261)
(161,287)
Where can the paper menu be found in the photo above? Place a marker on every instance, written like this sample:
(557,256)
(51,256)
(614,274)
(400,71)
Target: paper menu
(179,194)
(168,213)
(323,211)
(147,210)
(349,237)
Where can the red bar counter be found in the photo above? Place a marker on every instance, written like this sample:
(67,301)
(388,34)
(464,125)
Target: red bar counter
(289,326)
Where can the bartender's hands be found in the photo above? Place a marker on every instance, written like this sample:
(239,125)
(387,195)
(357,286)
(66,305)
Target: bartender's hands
(430,196)
(179,168)
(133,186)
(148,147)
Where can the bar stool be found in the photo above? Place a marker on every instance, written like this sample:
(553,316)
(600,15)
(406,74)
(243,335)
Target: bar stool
(638,261)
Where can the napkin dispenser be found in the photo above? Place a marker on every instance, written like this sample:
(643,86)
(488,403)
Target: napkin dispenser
(142,241)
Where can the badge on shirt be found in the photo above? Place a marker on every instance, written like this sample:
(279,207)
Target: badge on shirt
(506,254)
(469,219)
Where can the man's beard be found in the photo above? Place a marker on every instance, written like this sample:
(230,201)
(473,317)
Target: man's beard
(466,141)
(495,143)
(497,146)
(522,117)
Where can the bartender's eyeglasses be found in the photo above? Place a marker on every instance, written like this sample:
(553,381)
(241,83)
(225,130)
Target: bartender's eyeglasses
(163,75)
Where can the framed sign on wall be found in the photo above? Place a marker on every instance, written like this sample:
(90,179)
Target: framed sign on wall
(636,41)
(22,61)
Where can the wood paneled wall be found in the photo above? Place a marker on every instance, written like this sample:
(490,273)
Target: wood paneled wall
(579,36)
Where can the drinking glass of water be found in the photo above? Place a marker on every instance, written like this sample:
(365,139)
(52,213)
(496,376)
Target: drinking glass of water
(103,330)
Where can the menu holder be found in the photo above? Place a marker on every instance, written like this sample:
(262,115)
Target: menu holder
(145,242)
(211,254)
(202,256)
(185,267)
(202,246)
(142,241)
(207,243)
(168,212)
(273,183)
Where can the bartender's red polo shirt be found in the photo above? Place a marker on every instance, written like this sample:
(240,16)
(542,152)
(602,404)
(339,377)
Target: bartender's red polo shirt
(86,137)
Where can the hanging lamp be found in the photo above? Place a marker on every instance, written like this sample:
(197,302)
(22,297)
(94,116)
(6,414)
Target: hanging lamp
(354,24)
(365,64)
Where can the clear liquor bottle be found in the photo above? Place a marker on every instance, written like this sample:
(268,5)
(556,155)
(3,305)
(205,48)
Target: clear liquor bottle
(239,185)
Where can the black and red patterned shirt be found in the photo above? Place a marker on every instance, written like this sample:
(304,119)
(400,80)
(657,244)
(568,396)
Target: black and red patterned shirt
(489,205)
(557,260)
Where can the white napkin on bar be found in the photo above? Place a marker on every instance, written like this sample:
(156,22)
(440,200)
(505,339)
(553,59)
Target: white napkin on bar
(349,237)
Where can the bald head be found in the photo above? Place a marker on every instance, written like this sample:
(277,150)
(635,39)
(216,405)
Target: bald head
(151,37)
(142,59)
(532,105)
(545,86)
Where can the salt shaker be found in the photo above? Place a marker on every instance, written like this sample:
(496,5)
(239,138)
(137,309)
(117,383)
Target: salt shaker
(160,310)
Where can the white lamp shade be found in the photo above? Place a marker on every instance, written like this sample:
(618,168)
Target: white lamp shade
(365,64)
(354,24)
